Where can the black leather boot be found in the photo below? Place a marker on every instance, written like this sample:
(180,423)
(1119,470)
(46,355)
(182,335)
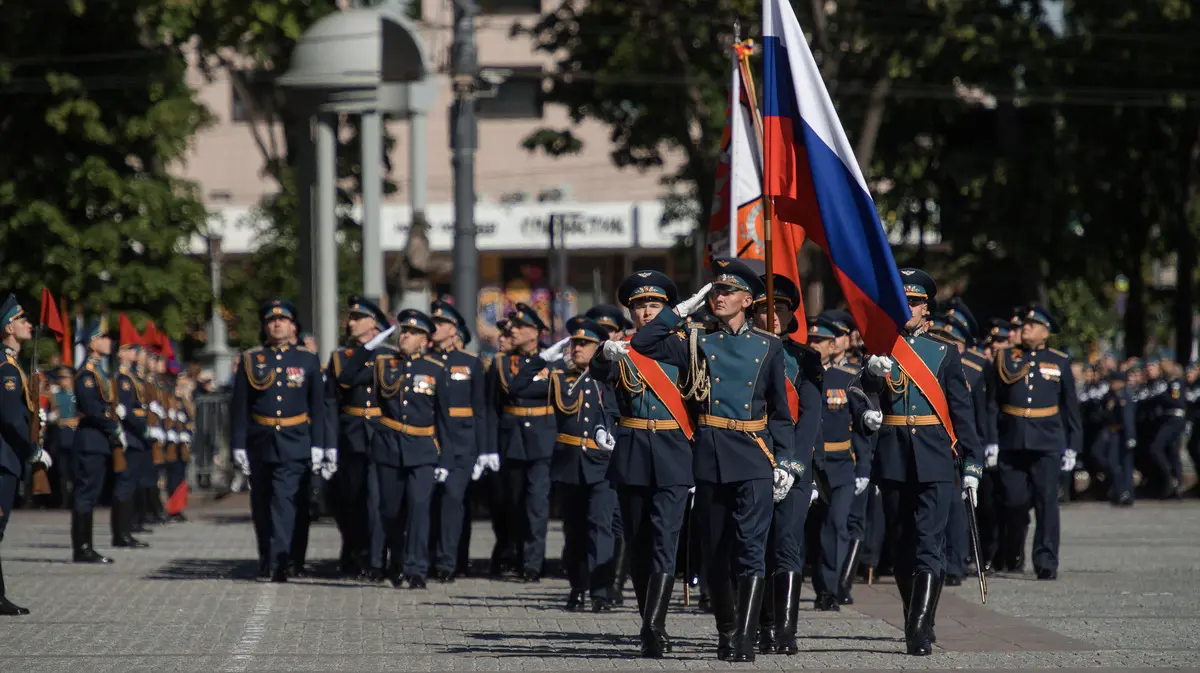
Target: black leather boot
(750,591)
(846,581)
(655,642)
(787,611)
(122,525)
(720,600)
(620,573)
(576,600)
(140,513)
(7,607)
(916,626)
(767,623)
(81,540)
(937,596)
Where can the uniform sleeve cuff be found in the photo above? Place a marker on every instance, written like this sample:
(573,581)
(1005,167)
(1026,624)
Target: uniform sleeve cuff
(973,469)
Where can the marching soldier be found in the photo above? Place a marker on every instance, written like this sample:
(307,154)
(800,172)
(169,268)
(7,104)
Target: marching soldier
(918,469)
(18,421)
(466,436)
(487,466)
(1118,438)
(99,441)
(408,456)
(527,432)
(1039,431)
(999,552)
(350,382)
(651,464)
(1170,420)
(780,613)
(843,462)
(585,414)
(743,447)
(277,418)
(131,411)
(61,417)
(1192,396)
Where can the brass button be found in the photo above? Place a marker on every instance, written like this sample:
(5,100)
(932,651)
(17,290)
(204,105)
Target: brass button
(278,369)
(279,398)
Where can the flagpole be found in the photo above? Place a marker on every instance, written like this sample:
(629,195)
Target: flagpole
(744,49)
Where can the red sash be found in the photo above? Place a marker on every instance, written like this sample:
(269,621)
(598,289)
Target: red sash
(793,401)
(918,371)
(666,390)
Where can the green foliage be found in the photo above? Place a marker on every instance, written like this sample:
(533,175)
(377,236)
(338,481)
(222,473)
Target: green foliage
(1085,315)
(96,115)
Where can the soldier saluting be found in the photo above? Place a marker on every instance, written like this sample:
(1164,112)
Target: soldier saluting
(277,418)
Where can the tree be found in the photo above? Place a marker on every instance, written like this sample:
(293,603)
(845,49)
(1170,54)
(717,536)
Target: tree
(95,112)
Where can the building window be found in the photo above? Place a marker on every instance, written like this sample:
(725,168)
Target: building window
(518,97)
(260,87)
(510,6)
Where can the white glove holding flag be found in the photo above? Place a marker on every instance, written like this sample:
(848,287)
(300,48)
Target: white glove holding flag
(555,352)
(43,458)
(991,455)
(440,474)
(861,484)
(379,338)
(242,461)
(879,365)
(331,462)
(318,456)
(493,461)
(605,441)
(872,420)
(688,306)
(971,489)
(1068,460)
(781,484)
(614,350)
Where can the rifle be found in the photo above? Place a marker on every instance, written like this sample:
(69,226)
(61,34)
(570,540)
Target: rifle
(41,480)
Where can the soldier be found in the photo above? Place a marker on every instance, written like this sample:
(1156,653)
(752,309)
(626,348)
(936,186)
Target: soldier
(785,542)
(131,410)
(651,464)
(157,422)
(466,436)
(993,536)
(185,427)
(1192,396)
(585,415)
(919,459)
(350,386)
(743,447)
(1039,430)
(843,462)
(99,442)
(1170,420)
(527,432)
(1118,439)
(146,497)
(61,418)
(410,459)
(277,419)
(18,445)
(487,466)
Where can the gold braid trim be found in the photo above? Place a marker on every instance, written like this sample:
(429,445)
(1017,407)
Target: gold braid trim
(385,390)
(1007,376)
(630,378)
(695,385)
(257,384)
(556,383)
(899,385)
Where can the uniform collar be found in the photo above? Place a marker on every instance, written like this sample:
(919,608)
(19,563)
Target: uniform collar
(745,327)
(920,329)
(450,349)
(281,347)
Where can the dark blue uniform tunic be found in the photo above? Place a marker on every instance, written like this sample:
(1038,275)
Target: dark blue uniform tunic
(277,415)
(134,423)
(97,434)
(17,447)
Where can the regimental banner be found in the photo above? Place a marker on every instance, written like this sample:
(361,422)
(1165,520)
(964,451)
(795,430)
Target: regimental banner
(736,226)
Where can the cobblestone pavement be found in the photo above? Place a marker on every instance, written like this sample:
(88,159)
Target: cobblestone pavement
(1128,596)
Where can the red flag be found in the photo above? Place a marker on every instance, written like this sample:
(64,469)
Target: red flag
(50,317)
(178,500)
(127,335)
(168,352)
(151,338)
(68,346)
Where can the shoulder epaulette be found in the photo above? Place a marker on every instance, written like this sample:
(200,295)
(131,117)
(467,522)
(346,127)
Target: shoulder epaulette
(434,361)
(938,336)
(972,365)
(254,349)
(1058,353)
(764,333)
(304,349)
(848,370)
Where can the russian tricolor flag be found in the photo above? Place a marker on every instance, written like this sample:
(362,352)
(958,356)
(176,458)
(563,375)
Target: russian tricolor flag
(811,171)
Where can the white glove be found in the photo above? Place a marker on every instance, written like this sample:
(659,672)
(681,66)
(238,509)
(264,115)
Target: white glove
(173,415)
(812,497)
(440,474)
(156,409)
(42,415)
(781,484)
(604,441)
(326,473)
(970,489)
(872,420)
(185,438)
(121,438)
(242,461)
(991,455)
(379,338)
(1068,460)
(1131,443)
(492,461)
(44,458)
(688,306)
(879,365)
(318,456)
(614,350)
(121,412)
(331,461)
(861,484)
(172,437)
(479,469)
(555,352)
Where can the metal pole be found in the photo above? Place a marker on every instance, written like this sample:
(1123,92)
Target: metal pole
(306,268)
(418,163)
(218,346)
(371,142)
(325,236)
(463,141)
